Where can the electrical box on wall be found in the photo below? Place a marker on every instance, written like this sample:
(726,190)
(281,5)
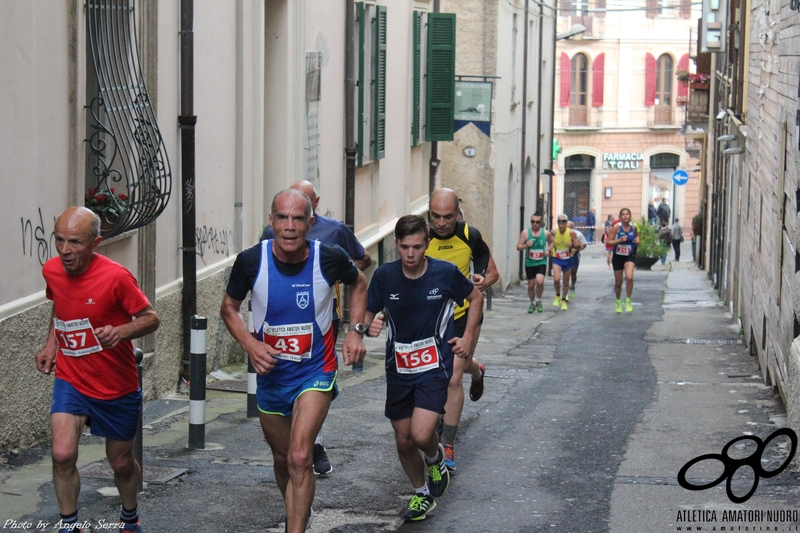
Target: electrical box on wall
(714,26)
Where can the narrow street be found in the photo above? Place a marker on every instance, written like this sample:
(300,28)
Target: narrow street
(587,418)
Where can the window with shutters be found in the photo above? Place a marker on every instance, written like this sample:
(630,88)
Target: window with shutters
(440,77)
(371,24)
(416,89)
(664,84)
(579,91)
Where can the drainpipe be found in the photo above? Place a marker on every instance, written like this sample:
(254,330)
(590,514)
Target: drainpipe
(552,122)
(524,132)
(238,194)
(539,113)
(187,121)
(350,149)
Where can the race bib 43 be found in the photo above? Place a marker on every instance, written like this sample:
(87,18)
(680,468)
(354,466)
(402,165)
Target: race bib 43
(293,340)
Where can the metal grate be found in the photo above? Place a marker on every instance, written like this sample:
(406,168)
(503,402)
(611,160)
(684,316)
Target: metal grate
(228,385)
(156,409)
(713,341)
(128,174)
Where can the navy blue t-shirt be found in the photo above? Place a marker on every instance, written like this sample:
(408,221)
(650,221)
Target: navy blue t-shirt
(419,316)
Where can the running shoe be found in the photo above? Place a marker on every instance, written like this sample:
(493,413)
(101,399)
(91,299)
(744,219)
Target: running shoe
(476,387)
(419,506)
(619,306)
(539,306)
(572,293)
(321,463)
(557,300)
(564,305)
(449,457)
(628,305)
(438,476)
(531,308)
(135,528)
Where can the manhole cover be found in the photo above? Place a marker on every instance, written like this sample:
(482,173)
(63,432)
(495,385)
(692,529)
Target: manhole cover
(155,409)
(229,385)
(713,341)
(152,474)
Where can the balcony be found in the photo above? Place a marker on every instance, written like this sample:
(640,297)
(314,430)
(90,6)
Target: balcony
(663,117)
(582,117)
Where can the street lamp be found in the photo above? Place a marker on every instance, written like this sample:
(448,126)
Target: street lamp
(575,32)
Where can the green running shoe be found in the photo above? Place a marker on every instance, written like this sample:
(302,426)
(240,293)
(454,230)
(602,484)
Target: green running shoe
(539,306)
(619,306)
(531,308)
(419,507)
(628,305)
(438,476)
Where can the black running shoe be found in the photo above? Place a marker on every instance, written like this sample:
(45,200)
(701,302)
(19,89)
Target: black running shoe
(438,476)
(476,387)
(321,463)
(419,507)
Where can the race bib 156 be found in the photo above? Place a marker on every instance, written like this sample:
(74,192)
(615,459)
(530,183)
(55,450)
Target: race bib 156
(419,356)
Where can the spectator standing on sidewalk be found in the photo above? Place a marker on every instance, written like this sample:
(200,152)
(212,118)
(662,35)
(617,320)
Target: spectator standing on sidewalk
(652,214)
(290,280)
(663,211)
(591,222)
(328,231)
(665,236)
(97,309)
(677,239)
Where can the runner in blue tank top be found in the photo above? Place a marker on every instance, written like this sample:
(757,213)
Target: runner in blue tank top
(291,285)
(624,242)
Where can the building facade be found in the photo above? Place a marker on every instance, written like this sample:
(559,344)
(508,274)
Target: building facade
(620,113)
(282,90)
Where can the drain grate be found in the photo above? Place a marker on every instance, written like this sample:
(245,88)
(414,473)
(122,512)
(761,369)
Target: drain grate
(228,385)
(155,409)
(152,474)
(713,341)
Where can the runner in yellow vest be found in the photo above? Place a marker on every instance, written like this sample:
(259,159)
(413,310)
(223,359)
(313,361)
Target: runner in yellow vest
(563,243)
(461,245)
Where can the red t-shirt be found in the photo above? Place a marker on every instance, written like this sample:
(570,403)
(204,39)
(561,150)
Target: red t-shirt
(106,293)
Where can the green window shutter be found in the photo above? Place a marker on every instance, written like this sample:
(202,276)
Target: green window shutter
(441,71)
(379,75)
(416,78)
(361,14)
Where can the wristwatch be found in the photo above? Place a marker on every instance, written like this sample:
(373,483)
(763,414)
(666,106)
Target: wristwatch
(359,328)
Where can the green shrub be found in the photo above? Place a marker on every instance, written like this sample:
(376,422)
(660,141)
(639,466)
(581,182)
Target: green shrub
(649,243)
(697,224)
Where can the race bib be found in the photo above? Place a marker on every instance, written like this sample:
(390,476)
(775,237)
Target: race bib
(562,254)
(419,356)
(535,254)
(76,337)
(624,249)
(293,340)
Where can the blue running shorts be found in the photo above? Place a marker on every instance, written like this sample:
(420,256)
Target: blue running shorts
(115,419)
(565,264)
(276,399)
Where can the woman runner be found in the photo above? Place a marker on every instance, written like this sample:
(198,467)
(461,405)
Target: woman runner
(625,239)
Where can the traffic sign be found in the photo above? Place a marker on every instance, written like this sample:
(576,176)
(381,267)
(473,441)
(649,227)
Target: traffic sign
(680,177)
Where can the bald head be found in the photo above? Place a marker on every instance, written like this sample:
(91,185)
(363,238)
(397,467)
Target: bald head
(443,211)
(307,188)
(80,220)
(444,198)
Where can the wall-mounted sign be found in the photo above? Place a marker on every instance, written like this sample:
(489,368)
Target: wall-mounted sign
(473,104)
(714,26)
(470,151)
(623,161)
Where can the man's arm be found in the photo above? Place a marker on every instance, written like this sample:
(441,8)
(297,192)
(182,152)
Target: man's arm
(260,353)
(461,346)
(523,241)
(353,350)
(363,262)
(144,322)
(45,359)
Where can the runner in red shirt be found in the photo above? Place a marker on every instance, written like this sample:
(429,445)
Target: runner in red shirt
(97,309)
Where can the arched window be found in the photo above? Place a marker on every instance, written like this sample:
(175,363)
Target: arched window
(579,93)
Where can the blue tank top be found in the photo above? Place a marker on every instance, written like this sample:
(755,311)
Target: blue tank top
(296,319)
(626,248)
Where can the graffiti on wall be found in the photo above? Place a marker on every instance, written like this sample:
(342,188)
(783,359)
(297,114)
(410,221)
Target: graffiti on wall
(213,241)
(37,237)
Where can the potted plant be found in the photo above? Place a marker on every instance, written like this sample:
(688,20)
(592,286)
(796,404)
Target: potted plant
(108,204)
(650,247)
